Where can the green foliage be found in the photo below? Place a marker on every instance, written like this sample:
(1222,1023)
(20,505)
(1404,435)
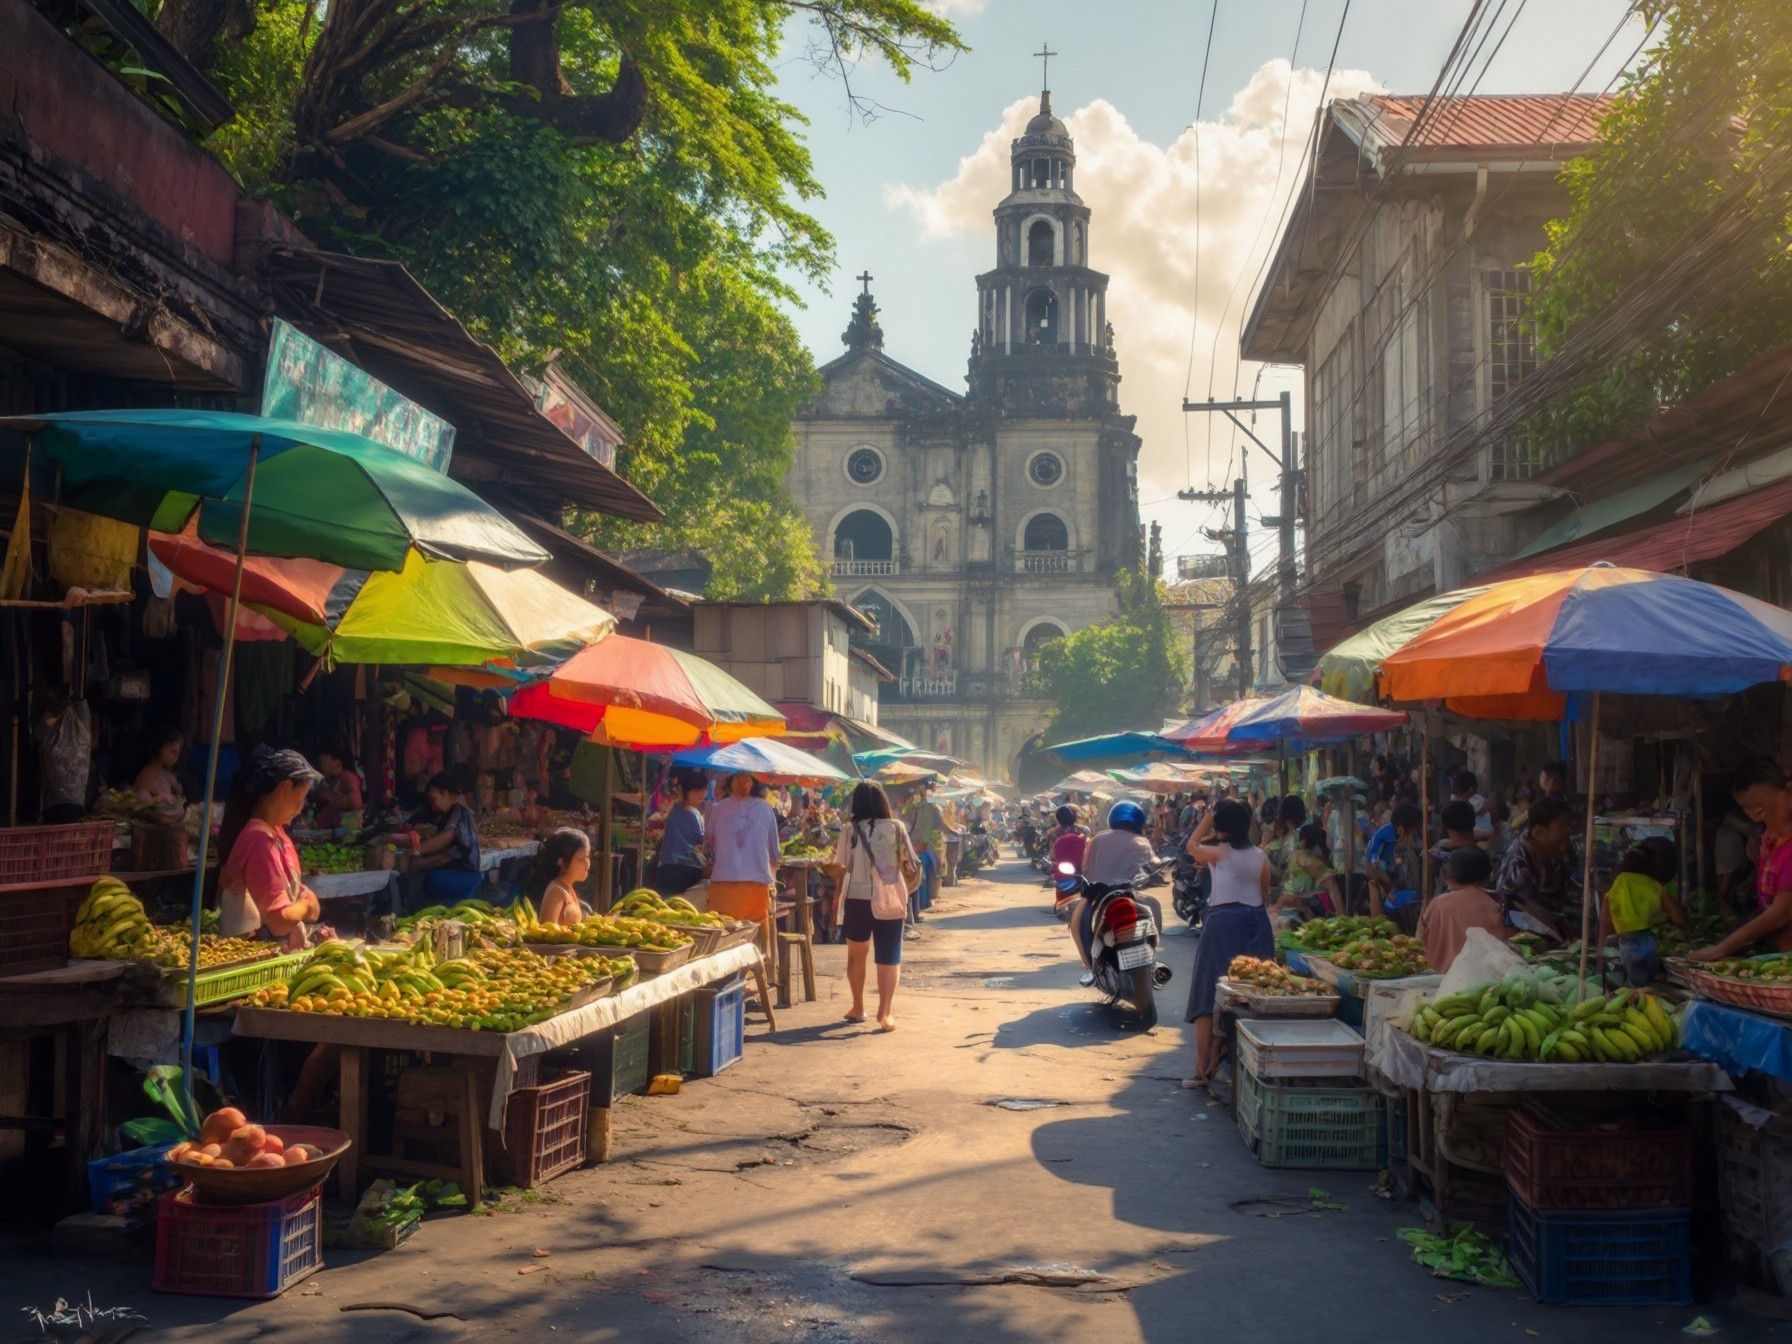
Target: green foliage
(649,264)
(1699,125)
(1125,672)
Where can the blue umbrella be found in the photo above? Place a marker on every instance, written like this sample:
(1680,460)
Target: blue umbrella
(764,758)
(1132,744)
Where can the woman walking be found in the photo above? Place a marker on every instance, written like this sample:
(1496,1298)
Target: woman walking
(1237,924)
(742,843)
(874,861)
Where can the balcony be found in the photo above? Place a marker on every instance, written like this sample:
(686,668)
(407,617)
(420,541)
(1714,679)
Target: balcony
(909,690)
(863,569)
(1048,562)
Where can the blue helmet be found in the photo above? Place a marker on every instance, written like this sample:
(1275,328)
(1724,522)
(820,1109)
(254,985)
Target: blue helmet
(1126,816)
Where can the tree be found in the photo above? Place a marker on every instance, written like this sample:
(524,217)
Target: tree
(611,183)
(1693,167)
(1125,672)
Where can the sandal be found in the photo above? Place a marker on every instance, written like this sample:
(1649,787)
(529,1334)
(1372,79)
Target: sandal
(1194,1084)
(851,1018)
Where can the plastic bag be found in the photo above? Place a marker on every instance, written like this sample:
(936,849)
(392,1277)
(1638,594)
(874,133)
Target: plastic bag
(1483,960)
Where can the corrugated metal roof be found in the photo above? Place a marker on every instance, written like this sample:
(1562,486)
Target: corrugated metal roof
(1537,123)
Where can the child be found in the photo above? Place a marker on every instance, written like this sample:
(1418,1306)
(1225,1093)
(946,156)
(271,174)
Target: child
(1634,903)
(1309,885)
(565,861)
(1466,904)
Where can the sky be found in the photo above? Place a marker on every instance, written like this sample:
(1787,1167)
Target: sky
(1181,220)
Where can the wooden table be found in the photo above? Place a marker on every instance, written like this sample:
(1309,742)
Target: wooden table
(358,1036)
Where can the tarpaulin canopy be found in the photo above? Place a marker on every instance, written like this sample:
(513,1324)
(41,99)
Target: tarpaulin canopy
(433,612)
(628,692)
(1170,776)
(1519,648)
(323,494)
(1116,746)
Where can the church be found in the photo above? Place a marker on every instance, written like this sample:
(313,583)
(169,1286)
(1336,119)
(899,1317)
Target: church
(975,526)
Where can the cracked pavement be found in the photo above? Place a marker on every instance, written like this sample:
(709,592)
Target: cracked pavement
(844,1185)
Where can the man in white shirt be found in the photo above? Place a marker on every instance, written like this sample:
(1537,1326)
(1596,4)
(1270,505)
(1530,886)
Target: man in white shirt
(1465,788)
(1113,859)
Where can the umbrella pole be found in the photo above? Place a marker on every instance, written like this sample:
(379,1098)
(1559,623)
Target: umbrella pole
(1586,890)
(1697,883)
(1425,810)
(219,697)
(606,877)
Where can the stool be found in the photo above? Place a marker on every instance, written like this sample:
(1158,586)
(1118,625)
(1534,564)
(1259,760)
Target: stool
(802,938)
(767,942)
(451,1092)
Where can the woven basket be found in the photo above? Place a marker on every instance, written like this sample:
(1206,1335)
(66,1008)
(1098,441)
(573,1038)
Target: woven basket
(1775,1000)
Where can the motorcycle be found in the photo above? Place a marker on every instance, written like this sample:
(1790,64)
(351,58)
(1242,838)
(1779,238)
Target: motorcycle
(980,851)
(1122,945)
(1030,837)
(1191,886)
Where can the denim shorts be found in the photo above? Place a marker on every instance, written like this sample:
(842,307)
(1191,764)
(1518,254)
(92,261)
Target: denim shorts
(885,935)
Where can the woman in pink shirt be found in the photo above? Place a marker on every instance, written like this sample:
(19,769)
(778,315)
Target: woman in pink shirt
(1761,790)
(1071,842)
(259,886)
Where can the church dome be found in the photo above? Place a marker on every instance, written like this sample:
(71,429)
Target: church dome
(1045,123)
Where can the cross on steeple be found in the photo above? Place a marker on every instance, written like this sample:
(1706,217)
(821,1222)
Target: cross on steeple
(865,278)
(1045,54)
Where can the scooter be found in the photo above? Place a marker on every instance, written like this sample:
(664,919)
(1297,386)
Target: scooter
(1191,886)
(1122,945)
(980,852)
(1033,848)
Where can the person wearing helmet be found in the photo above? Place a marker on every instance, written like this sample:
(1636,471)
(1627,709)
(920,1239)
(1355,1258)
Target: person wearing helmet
(1113,859)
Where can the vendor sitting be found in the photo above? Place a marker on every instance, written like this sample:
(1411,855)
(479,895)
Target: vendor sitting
(680,865)
(446,865)
(1535,884)
(1634,904)
(340,791)
(1465,904)
(1393,866)
(1761,791)
(156,781)
(260,884)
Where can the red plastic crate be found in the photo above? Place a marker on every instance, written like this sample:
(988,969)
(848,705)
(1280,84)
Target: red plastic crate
(545,1127)
(35,923)
(36,855)
(247,1250)
(1553,1167)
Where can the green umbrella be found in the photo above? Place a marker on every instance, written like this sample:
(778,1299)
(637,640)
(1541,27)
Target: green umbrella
(1348,670)
(325,495)
(320,494)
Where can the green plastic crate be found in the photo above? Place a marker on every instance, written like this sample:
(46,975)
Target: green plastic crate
(232,982)
(1311,1125)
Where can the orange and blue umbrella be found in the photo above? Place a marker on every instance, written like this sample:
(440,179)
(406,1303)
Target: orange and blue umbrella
(1207,735)
(1521,648)
(1303,719)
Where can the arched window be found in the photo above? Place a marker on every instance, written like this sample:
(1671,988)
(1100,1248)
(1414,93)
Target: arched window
(863,544)
(1041,241)
(1046,532)
(1039,636)
(891,642)
(1042,317)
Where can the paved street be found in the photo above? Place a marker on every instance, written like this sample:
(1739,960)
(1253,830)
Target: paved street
(842,1185)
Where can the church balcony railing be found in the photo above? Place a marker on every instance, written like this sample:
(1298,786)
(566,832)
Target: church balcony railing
(862,569)
(1049,562)
(908,690)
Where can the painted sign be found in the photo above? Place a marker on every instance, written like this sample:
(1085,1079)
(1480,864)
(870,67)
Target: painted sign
(308,383)
(578,417)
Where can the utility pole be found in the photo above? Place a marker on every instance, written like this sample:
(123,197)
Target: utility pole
(1239,554)
(1287,571)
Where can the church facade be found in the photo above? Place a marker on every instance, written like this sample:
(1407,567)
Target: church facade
(975,526)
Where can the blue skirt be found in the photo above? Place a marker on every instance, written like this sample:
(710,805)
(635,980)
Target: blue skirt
(1229,931)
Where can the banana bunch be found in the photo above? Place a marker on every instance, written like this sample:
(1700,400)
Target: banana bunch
(110,923)
(1334,931)
(1266,977)
(169,947)
(673,911)
(612,930)
(1507,1021)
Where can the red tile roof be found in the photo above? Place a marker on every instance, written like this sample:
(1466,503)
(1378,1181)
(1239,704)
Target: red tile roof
(1489,121)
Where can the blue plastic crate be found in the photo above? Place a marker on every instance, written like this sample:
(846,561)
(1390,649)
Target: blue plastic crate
(130,1179)
(1604,1257)
(1296,962)
(721,1027)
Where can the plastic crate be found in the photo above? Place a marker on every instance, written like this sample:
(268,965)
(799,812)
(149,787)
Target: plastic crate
(1312,1125)
(1551,1166)
(35,924)
(1395,1110)
(617,1059)
(1324,1049)
(544,1129)
(33,856)
(1601,1258)
(1754,1179)
(232,982)
(242,1250)
(721,1027)
(674,1042)
(131,1179)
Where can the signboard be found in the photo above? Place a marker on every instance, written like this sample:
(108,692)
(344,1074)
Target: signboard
(308,383)
(578,417)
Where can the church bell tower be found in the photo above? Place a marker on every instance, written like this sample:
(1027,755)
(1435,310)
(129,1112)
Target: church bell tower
(1042,342)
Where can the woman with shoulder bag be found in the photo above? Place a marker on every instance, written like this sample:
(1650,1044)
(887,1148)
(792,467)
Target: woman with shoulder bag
(875,865)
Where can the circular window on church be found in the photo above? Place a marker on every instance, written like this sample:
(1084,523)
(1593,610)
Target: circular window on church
(1045,469)
(864,466)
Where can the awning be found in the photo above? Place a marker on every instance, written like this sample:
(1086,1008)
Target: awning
(377,314)
(1670,546)
(1599,515)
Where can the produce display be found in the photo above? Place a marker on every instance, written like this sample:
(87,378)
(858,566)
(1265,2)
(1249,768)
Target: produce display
(1382,958)
(1770,970)
(490,990)
(318,857)
(1518,1019)
(674,912)
(1326,935)
(1267,977)
(110,923)
(1705,925)
(650,935)
(802,847)
(227,1139)
(169,947)
(473,914)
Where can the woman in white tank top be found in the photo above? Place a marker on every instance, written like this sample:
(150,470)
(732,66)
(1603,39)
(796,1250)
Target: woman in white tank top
(1236,926)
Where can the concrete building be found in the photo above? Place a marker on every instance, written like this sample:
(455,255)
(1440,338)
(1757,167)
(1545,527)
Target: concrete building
(973,527)
(1399,286)
(786,652)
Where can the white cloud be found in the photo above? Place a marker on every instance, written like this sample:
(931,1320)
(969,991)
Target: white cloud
(947,8)
(1144,233)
